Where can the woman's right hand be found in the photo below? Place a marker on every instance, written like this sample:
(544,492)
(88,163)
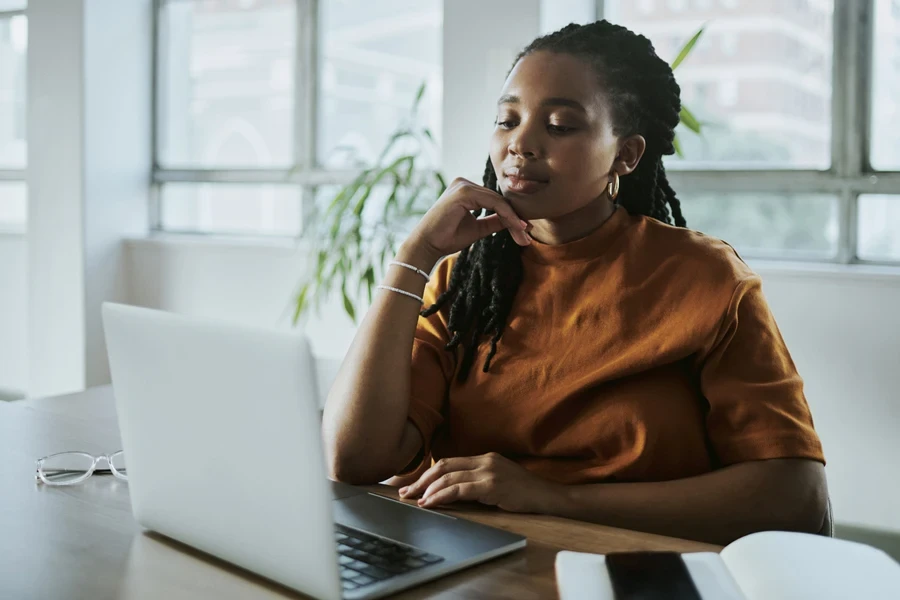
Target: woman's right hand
(449,225)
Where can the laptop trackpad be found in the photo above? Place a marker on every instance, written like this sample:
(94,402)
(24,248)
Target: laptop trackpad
(441,534)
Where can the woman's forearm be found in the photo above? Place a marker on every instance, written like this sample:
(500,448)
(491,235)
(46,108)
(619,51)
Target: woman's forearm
(365,428)
(718,507)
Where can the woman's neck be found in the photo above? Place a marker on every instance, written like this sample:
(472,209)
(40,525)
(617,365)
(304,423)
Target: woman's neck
(574,225)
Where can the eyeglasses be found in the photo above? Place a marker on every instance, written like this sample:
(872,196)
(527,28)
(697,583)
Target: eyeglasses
(69,468)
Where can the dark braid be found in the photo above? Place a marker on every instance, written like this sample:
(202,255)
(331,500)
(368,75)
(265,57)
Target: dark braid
(645,100)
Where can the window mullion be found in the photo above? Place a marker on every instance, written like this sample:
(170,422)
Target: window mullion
(12,175)
(305,81)
(843,52)
(858,84)
(154,208)
(846,226)
(304,68)
(851,80)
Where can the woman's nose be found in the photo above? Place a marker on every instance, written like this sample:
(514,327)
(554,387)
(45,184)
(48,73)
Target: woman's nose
(524,144)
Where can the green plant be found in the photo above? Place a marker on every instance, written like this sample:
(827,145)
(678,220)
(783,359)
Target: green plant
(686,117)
(363,222)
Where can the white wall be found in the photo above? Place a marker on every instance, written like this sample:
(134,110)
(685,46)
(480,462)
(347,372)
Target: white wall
(89,92)
(117,156)
(55,194)
(247,282)
(13,312)
(842,329)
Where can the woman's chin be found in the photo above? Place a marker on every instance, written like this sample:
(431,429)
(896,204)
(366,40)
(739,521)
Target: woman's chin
(527,206)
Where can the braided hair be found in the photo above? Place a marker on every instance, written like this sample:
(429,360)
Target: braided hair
(644,99)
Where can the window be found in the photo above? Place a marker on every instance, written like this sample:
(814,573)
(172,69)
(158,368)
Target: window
(226,85)
(768,224)
(884,153)
(373,57)
(252,119)
(878,227)
(730,44)
(645,6)
(237,208)
(13,206)
(787,54)
(728,92)
(780,170)
(13,45)
(556,14)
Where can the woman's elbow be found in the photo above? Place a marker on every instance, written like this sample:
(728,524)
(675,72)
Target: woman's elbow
(802,504)
(355,468)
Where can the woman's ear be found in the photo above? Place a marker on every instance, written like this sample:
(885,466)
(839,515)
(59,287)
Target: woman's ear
(630,153)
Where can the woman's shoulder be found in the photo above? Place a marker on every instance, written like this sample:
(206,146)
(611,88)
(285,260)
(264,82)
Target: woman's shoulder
(690,251)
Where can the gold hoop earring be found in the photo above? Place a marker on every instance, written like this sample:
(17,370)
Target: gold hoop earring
(612,188)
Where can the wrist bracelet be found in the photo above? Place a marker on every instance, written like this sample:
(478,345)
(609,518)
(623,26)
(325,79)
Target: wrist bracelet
(399,291)
(411,268)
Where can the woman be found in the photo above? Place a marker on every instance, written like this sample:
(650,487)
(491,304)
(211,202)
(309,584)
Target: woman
(579,356)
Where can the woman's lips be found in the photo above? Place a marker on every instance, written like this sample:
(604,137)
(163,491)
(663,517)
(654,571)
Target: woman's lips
(524,186)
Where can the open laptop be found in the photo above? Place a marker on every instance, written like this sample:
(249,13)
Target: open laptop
(221,431)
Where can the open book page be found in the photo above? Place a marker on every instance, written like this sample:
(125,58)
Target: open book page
(776,565)
(584,577)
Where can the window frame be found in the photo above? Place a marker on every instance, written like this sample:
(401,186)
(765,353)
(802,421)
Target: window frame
(303,172)
(6,174)
(849,176)
(851,173)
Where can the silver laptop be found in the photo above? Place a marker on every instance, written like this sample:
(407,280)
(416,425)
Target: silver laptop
(221,431)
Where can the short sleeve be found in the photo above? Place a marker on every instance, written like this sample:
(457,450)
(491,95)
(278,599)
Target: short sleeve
(757,409)
(432,365)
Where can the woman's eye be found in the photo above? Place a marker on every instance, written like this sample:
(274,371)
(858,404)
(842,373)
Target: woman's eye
(506,124)
(560,129)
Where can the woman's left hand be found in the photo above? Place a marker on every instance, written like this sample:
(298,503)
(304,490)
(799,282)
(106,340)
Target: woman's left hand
(489,479)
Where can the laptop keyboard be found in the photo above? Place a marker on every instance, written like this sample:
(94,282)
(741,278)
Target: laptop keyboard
(365,559)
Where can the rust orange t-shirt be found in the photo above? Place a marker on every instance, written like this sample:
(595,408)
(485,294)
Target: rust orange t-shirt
(641,352)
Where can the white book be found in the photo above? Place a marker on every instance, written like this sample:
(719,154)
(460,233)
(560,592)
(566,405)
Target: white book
(772,565)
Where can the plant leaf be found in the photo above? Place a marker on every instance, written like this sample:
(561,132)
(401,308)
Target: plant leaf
(348,304)
(301,303)
(391,200)
(412,199)
(320,265)
(689,120)
(369,276)
(402,133)
(391,169)
(346,193)
(677,144)
(361,205)
(357,237)
(686,49)
(410,168)
(419,93)
(441,182)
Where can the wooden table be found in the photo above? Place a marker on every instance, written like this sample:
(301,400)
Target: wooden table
(82,542)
